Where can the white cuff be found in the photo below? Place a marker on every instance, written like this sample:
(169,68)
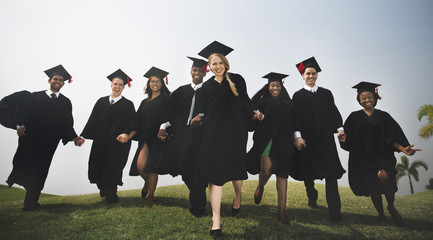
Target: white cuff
(165,125)
(297,134)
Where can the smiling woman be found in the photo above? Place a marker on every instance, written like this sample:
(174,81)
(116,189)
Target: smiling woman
(146,124)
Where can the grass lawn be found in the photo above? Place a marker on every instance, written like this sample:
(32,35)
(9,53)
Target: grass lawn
(88,217)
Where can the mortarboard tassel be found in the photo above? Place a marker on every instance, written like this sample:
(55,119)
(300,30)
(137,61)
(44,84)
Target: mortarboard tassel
(70,79)
(377,93)
(166,79)
(301,67)
(205,68)
(129,82)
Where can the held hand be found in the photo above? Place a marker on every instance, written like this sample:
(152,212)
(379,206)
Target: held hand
(409,151)
(341,136)
(21,131)
(123,138)
(300,143)
(162,135)
(196,121)
(258,115)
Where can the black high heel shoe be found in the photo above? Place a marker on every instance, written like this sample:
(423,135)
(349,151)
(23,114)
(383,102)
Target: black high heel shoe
(258,199)
(216,232)
(235,211)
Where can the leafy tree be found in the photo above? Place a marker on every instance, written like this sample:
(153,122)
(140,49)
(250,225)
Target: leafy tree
(405,168)
(430,185)
(426,130)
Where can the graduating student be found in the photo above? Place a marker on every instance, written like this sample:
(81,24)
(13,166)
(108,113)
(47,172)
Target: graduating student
(225,108)
(42,119)
(317,119)
(372,137)
(184,145)
(272,151)
(149,117)
(110,117)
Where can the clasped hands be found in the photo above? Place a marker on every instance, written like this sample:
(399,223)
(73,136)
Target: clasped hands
(300,143)
(78,141)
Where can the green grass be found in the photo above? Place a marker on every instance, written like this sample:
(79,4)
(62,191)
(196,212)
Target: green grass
(87,217)
(8,194)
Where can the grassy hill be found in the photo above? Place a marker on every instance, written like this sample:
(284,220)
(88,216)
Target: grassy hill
(87,217)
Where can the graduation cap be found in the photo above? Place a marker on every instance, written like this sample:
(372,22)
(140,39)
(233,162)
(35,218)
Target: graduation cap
(311,62)
(273,76)
(156,72)
(215,47)
(200,63)
(367,86)
(59,70)
(120,74)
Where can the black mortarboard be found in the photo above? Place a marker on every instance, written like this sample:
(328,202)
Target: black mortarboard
(119,73)
(196,62)
(59,70)
(156,72)
(215,47)
(272,77)
(311,62)
(367,86)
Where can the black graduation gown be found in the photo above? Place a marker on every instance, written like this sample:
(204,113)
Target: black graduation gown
(149,117)
(47,121)
(277,125)
(108,156)
(223,146)
(9,106)
(369,141)
(184,145)
(317,118)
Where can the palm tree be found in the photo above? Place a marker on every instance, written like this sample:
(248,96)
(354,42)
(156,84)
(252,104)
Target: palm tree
(426,130)
(430,186)
(406,169)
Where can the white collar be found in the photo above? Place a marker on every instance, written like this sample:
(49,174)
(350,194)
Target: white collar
(115,99)
(49,92)
(195,87)
(309,88)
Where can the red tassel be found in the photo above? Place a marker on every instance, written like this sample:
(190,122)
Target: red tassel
(166,79)
(129,83)
(70,79)
(301,67)
(205,68)
(377,93)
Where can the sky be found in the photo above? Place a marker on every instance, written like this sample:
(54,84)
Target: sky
(387,42)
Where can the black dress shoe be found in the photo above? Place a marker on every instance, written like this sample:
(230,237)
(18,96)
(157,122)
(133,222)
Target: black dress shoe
(216,232)
(312,204)
(258,199)
(112,198)
(31,207)
(198,214)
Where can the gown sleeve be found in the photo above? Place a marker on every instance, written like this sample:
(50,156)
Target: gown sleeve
(89,131)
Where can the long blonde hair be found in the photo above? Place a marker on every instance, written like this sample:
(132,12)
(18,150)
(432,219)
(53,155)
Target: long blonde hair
(227,66)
